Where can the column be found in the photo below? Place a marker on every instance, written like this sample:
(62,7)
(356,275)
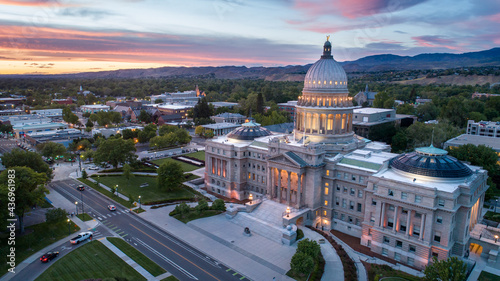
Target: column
(408,221)
(382,216)
(269,182)
(288,188)
(299,189)
(279,185)
(395,221)
(422,223)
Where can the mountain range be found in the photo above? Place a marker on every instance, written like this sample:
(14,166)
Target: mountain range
(296,72)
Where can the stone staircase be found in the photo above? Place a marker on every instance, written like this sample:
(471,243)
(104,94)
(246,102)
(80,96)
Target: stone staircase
(266,220)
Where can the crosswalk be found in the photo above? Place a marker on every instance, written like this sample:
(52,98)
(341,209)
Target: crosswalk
(115,229)
(114,213)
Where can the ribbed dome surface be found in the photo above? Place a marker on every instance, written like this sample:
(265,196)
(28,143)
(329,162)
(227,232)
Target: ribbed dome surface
(325,74)
(249,131)
(430,162)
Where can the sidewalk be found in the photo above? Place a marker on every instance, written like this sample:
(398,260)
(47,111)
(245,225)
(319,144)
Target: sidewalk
(360,269)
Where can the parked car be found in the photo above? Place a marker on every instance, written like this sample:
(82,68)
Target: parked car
(81,187)
(93,167)
(112,207)
(49,256)
(81,237)
(144,185)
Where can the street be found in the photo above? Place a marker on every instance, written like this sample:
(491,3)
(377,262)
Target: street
(185,262)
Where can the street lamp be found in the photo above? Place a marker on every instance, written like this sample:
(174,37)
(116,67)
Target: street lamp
(251,198)
(496,205)
(496,238)
(76,207)
(97,180)
(69,227)
(288,211)
(117,193)
(140,205)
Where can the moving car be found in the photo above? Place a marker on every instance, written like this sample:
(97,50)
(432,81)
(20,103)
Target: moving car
(112,207)
(49,256)
(81,237)
(81,187)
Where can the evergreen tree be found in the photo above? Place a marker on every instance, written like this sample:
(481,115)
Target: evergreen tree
(260,103)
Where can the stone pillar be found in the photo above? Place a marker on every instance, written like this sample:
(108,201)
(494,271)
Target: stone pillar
(299,189)
(408,221)
(382,216)
(288,188)
(279,186)
(422,223)
(395,221)
(269,182)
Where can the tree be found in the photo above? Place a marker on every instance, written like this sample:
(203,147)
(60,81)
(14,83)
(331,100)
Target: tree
(202,206)
(144,116)
(219,205)
(84,174)
(383,132)
(451,269)
(182,209)
(88,154)
(202,111)
(51,149)
(129,134)
(158,101)
(399,142)
(29,189)
(405,109)
(182,136)
(260,103)
(302,263)
(477,116)
(199,130)
(89,124)
(165,129)
(309,247)
(170,175)
(115,151)
(427,111)
(69,116)
(33,160)
(55,215)
(84,144)
(147,133)
(480,155)
(127,172)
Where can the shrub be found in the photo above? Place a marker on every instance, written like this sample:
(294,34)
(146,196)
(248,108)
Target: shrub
(300,234)
(219,205)
(302,263)
(309,247)
(202,206)
(55,215)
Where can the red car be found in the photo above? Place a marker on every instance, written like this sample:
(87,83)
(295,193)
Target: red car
(49,256)
(112,207)
(81,187)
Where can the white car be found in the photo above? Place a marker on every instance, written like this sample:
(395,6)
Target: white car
(93,168)
(81,237)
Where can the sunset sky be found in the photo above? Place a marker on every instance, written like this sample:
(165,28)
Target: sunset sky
(48,37)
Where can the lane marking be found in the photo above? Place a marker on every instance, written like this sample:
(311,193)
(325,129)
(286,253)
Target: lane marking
(174,252)
(229,269)
(124,235)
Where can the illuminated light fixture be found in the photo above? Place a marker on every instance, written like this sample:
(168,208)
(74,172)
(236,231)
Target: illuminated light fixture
(288,211)
(251,198)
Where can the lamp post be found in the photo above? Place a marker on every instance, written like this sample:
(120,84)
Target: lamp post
(69,227)
(496,238)
(288,211)
(117,193)
(80,161)
(251,198)
(97,180)
(76,207)
(140,205)
(496,205)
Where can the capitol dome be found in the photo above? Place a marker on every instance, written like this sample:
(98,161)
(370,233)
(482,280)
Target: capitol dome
(326,75)
(431,162)
(248,131)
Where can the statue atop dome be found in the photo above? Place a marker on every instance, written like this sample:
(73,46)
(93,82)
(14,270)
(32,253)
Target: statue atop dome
(328,38)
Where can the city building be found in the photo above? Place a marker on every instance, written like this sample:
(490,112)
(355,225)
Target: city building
(218,104)
(419,101)
(170,118)
(477,95)
(367,119)
(186,97)
(288,107)
(94,108)
(52,113)
(62,101)
(365,97)
(26,124)
(409,207)
(221,129)
(63,136)
(7,112)
(107,132)
(167,109)
(12,101)
(483,128)
(226,117)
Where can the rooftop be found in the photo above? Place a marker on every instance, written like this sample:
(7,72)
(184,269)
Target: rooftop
(366,159)
(175,106)
(474,139)
(95,106)
(371,110)
(220,126)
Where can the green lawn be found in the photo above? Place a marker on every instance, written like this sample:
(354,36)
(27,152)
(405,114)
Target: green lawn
(170,278)
(138,211)
(486,276)
(84,217)
(492,216)
(36,237)
(106,193)
(90,261)
(198,155)
(137,256)
(185,166)
(193,215)
(148,194)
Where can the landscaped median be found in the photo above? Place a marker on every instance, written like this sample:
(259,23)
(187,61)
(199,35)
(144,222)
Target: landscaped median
(90,261)
(85,217)
(137,256)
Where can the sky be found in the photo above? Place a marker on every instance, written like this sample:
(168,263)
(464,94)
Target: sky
(69,36)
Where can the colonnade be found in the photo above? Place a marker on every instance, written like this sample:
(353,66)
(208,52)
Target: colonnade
(324,101)
(409,224)
(286,186)
(321,123)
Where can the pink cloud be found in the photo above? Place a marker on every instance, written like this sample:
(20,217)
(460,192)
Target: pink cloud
(436,41)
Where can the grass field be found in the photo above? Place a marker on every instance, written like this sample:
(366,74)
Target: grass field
(170,278)
(185,166)
(36,237)
(198,155)
(149,193)
(486,276)
(90,261)
(84,217)
(106,193)
(137,256)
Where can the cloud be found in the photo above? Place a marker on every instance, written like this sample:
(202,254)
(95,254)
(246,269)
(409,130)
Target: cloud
(85,13)
(400,32)
(30,2)
(435,41)
(387,46)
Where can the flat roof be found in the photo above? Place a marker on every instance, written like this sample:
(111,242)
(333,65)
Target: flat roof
(476,140)
(366,159)
(175,106)
(221,126)
(95,106)
(37,126)
(371,110)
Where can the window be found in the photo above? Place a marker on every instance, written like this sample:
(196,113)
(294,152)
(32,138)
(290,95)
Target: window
(386,240)
(416,230)
(351,205)
(439,219)
(359,207)
(372,219)
(235,153)
(404,211)
(249,175)
(399,244)
(360,193)
(354,177)
(369,232)
(361,179)
(324,213)
(337,201)
(327,184)
(374,203)
(411,261)
(404,195)
(353,192)
(344,203)
(338,187)
(335,214)
(390,192)
(435,254)
(412,249)
(390,222)
(391,207)
(418,215)
(375,187)
(418,198)
(326,202)
(345,176)
(339,175)
(350,219)
(342,217)
(326,190)
(437,237)
(441,202)
(327,172)
(402,227)
(384,252)
(397,256)
(344,189)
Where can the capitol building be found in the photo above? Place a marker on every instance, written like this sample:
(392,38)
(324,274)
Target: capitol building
(409,207)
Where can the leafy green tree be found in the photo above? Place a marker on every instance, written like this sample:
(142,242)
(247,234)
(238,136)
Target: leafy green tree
(427,111)
(147,133)
(260,103)
(6,128)
(84,174)
(202,206)
(55,215)
(480,155)
(383,132)
(144,117)
(129,134)
(115,151)
(380,99)
(127,172)
(88,154)
(451,269)
(158,101)
(455,112)
(83,145)
(309,247)
(182,136)
(219,205)
(33,160)
(89,124)
(29,189)
(182,209)
(405,109)
(51,149)
(477,116)
(199,130)
(302,263)
(165,129)
(202,111)
(399,142)
(170,175)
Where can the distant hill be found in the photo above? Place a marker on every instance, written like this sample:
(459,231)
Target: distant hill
(297,72)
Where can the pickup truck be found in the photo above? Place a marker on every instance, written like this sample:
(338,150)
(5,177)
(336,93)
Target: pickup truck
(81,237)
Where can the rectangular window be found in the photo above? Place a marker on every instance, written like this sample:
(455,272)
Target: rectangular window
(326,190)
(344,189)
(327,184)
(391,207)
(390,192)
(441,202)
(385,252)
(354,177)
(404,211)
(359,207)
(345,176)
(418,215)
(418,198)
(361,179)
(390,222)
(397,256)
(351,205)
(439,219)
(386,240)
(335,214)
(326,202)
(369,232)
(399,244)
(344,203)
(375,187)
(339,175)
(327,172)
(374,203)
(350,219)
(337,201)
(437,237)
(416,230)
(412,249)
(338,187)
(235,153)
(402,227)
(372,219)
(411,261)
(435,254)
(324,213)
(360,193)
(353,192)
(342,216)
(249,175)
(404,195)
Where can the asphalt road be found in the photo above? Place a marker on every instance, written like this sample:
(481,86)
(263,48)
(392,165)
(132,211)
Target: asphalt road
(6,145)
(177,257)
